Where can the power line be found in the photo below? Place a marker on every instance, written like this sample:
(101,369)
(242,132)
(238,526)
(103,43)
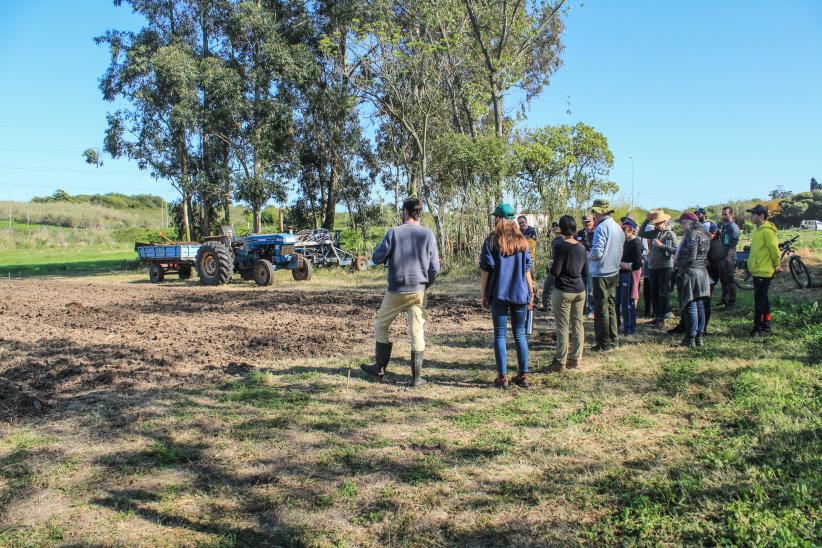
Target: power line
(64,170)
(39,150)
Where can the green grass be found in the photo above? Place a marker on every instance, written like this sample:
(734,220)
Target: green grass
(67,261)
(647,445)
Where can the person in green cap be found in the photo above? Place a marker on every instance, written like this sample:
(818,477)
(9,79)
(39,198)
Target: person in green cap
(604,259)
(507,289)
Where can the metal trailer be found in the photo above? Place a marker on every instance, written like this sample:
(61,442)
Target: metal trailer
(164,258)
(322,248)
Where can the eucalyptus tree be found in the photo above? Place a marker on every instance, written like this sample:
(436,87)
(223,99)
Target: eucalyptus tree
(154,72)
(560,168)
(329,117)
(519,43)
(271,59)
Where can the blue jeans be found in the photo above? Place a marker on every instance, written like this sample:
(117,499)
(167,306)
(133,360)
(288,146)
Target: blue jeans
(626,307)
(589,291)
(500,312)
(695,313)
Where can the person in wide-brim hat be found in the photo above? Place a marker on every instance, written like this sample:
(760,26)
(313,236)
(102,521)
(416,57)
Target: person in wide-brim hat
(656,216)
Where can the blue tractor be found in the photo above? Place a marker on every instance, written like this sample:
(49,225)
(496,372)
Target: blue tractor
(253,257)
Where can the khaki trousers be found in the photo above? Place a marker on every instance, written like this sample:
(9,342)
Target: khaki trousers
(569,311)
(392,305)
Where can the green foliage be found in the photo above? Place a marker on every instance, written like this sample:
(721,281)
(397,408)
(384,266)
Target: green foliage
(79,215)
(799,207)
(111,200)
(559,169)
(352,241)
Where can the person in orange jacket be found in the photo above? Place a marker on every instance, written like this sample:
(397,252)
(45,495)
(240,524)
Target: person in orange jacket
(763,263)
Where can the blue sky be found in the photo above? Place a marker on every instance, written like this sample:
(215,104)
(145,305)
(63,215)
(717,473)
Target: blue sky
(713,100)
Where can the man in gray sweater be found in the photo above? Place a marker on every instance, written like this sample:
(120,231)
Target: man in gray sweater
(604,259)
(413,264)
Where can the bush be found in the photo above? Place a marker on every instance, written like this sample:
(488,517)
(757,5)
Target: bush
(135,234)
(351,240)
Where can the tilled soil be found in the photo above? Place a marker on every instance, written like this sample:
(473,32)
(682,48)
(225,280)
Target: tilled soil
(63,342)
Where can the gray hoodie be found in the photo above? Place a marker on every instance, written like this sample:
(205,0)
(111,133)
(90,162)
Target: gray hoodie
(606,249)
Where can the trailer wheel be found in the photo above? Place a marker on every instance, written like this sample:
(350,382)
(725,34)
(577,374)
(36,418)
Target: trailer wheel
(360,263)
(155,273)
(304,270)
(184,271)
(263,272)
(214,263)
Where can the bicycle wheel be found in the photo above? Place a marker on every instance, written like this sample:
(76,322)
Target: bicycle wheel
(743,279)
(801,274)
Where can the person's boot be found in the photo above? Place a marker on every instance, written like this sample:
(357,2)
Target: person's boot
(688,342)
(556,367)
(521,380)
(572,363)
(416,369)
(382,354)
(698,341)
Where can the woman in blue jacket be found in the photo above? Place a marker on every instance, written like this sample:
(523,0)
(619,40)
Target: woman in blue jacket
(507,289)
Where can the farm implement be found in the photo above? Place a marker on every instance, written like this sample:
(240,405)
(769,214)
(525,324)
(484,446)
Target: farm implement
(322,248)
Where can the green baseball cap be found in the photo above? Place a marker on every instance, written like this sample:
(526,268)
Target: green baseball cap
(504,210)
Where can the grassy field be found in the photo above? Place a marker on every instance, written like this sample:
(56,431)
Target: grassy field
(649,444)
(91,258)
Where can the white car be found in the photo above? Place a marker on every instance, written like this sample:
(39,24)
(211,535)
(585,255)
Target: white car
(811,225)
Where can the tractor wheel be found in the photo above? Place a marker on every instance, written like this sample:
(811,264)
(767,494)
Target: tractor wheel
(263,272)
(360,263)
(214,263)
(304,270)
(155,273)
(184,271)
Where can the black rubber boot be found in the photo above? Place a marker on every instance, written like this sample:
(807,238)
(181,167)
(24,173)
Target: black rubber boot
(416,369)
(382,353)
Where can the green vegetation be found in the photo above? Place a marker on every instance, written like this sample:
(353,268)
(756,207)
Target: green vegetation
(647,445)
(86,259)
(80,215)
(111,200)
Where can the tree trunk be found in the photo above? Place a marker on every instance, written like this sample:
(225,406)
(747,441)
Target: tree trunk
(186,225)
(184,186)
(331,200)
(258,217)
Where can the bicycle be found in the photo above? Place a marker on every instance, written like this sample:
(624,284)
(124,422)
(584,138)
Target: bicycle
(799,271)
(742,277)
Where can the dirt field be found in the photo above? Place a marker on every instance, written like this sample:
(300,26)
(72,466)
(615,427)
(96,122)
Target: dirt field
(183,415)
(64,341)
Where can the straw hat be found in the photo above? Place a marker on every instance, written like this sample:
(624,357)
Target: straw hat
(658,216)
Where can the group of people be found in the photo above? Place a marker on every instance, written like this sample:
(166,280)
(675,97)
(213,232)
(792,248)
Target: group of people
(595,271)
